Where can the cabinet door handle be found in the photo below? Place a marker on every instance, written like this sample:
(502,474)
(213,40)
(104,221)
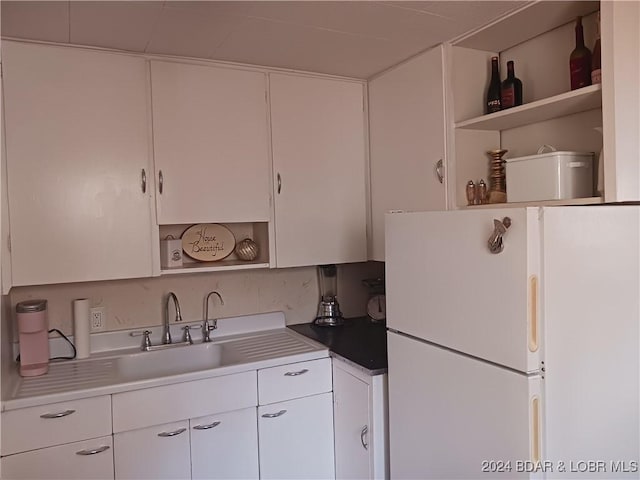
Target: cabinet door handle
(172,434)
(295,374)
(439,170)
(274,415)
(207,427)
(363,434)
(93,451)
(144,181)
(57,415)
(160,182)
(279,183)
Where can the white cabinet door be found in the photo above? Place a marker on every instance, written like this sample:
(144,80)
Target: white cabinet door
(352,426)
(621,100)
(319,168)
(78,147)
(407,139)
(296,439)
(210,133)
(225,446)
(160,452)
(89,459)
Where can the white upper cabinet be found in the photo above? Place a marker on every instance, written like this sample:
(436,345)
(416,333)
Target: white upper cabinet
(211,144)
(319,170)
(407,141)
(78,152)
(621,100)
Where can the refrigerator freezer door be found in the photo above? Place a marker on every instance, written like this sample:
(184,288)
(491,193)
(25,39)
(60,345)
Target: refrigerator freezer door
(451,416)
(445,286)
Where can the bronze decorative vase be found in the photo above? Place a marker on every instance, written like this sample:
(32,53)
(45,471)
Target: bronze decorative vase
(497,177)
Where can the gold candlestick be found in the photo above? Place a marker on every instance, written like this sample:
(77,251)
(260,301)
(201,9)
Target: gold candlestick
(497,178)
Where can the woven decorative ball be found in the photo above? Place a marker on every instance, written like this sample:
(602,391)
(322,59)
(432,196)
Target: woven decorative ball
(247,249)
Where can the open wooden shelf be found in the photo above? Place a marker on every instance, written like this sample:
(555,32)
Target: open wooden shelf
(542,203)
(576,101)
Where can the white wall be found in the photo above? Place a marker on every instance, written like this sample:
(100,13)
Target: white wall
(140,302)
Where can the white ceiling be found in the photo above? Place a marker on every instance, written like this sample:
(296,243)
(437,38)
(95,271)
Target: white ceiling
(350,38)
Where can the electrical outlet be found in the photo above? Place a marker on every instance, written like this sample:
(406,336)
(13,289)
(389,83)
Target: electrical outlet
(98,318)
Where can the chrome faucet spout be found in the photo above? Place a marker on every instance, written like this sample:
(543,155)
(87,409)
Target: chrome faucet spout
(166,335)
(206,327)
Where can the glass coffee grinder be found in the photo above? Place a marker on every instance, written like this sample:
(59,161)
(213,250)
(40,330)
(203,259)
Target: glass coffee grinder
(329,314)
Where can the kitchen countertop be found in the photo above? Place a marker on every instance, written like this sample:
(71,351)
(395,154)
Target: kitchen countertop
(359,341)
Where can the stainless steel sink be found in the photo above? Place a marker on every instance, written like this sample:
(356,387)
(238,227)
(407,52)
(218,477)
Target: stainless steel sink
(174,361)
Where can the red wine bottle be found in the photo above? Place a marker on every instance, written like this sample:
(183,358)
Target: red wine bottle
(580,60)
(596,75)
(493,94)
(511,88)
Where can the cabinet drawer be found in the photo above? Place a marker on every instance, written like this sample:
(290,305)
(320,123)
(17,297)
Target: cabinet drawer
(294,380)
(89,459)
(54,424)
(155,406)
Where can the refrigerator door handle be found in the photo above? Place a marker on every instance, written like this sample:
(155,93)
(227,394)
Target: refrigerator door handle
(535,429)
(533,313)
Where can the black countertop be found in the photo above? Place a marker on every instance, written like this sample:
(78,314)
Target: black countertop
(359,341)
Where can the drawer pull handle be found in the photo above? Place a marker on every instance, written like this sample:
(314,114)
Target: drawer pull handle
(295,374)
(363,434)
(206,427)
(274,415)
(172,434)
(57,415)
(93,451)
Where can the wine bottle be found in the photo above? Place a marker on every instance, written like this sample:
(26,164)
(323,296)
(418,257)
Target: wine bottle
(596,75)
(580,60)
(511,88)
(493,94)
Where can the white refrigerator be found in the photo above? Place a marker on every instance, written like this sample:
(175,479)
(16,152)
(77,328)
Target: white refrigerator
(518,363)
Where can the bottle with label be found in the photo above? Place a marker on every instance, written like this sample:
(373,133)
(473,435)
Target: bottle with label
(596,76)
(580,60)
(511,88)
(493,94)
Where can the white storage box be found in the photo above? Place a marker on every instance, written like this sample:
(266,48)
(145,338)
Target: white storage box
(549,176)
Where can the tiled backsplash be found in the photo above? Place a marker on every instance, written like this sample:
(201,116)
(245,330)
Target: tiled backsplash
(140,302)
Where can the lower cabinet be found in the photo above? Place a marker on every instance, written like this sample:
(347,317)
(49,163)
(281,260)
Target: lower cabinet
(89,459)
(361,423)
(225,446)
(296,438)
(159,452)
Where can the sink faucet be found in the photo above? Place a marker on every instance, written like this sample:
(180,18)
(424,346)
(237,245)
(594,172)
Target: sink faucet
(206,327)
(166,335)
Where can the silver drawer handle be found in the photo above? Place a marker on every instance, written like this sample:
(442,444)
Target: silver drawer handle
(206,427)
(274,415)
(93,451)
(295,374)
(172,434)
(57,415)
(363,434)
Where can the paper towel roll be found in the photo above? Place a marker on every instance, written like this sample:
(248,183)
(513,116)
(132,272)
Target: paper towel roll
(81,327)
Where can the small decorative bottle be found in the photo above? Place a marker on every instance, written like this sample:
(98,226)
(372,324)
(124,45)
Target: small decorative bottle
(580,60)
(511,88)
(493,93)
(596,76)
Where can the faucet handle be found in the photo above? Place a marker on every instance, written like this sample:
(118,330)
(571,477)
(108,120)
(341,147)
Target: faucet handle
(146,341)
(187,334)
(207,328)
